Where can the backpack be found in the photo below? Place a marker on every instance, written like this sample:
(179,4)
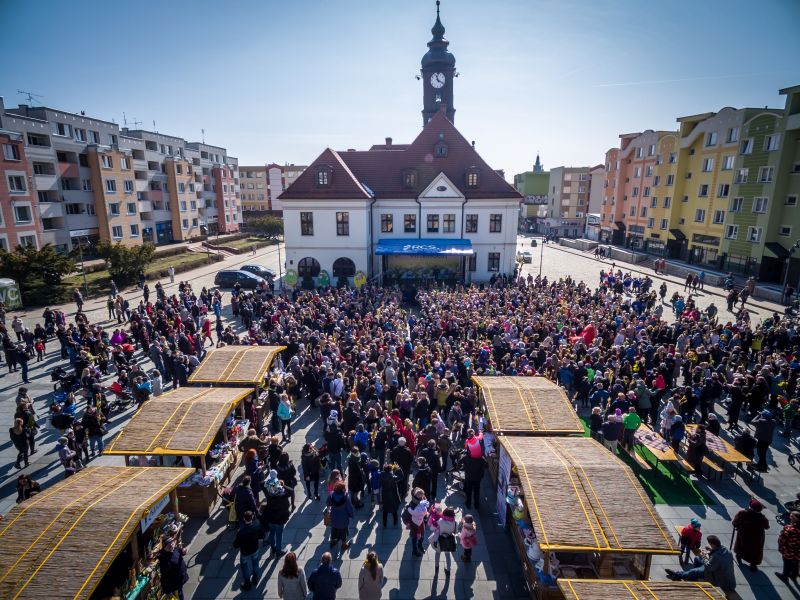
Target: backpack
(405,516)
(447,542)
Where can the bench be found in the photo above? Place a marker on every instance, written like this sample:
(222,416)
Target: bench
(713,468)
(683,464)
(695,551)
(643,464)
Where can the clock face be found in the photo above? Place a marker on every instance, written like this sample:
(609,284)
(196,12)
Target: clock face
(437,80)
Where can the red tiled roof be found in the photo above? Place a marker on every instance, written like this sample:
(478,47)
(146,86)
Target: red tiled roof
(381,170)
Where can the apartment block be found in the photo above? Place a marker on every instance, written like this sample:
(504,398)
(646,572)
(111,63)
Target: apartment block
(280,177)
(568,200)
(92,181)
(533,186)
(253,185)
(19,222)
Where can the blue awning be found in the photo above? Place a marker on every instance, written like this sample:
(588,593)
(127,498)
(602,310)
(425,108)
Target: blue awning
(427,247)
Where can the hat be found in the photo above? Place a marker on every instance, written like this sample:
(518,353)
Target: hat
(712,417)
(756,505)
(695,523)
(766,414)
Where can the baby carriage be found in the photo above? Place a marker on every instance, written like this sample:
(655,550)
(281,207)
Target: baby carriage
(122,399)
(63,381)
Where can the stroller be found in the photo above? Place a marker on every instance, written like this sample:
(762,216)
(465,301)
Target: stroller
(122,399)
(64,381)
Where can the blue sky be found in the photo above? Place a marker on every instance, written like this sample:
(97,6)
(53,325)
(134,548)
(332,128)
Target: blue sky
(279,81)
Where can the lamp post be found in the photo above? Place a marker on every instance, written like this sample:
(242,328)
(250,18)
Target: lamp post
(792,250)
(541,257)
(83,270)
(280,267)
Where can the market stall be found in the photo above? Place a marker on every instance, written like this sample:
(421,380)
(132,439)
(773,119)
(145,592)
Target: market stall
(102,523)
(239,366)
(194,426)
(576,511)
(582,589)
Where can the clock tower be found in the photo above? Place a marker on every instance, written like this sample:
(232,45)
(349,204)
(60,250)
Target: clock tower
(438,68)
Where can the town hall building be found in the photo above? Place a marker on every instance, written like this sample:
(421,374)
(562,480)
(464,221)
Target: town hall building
(407,214)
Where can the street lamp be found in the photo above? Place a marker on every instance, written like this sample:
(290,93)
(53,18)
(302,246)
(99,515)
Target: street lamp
(280,267)
(541,257)
(83,270)
(792,250)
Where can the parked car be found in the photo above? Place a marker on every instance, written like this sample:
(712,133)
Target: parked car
(533,243)
(259,270)
(227,279)
(525,256)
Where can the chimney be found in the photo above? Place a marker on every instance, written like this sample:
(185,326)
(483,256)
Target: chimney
(388,141)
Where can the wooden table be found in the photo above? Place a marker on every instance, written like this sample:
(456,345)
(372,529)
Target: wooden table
(720,448)
(656,444)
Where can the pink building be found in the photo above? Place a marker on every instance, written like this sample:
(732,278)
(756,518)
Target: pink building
(227,199)
(20,222)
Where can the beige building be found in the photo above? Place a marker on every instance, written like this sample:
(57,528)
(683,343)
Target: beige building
(567,201)
(253,190)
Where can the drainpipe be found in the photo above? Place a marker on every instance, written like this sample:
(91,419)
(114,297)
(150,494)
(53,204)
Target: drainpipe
(371,239)
(419,218)
(463,259)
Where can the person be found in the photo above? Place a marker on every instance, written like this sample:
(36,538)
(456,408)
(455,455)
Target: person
(311,466)
(716,568)
(325,579)
(172,568)
(417,513)
(789,547)
(370,578)
(276,513)
(285,413)
(697,449)
(171,273)
(78,297)
(26,488)
(443,537)
(630,422)
(611,430)
(403,458)
(474,469)
(244,500)
(19,438)
(750,526)
(341,509)
(390,492)
(764,432)
(292,579)
(468,536)
(247,541)
(691,539)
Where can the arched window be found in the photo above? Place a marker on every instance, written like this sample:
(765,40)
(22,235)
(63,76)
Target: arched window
(308,267)
(344,267)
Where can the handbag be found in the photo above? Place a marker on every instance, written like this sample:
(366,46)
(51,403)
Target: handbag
(447,542)
(326,517)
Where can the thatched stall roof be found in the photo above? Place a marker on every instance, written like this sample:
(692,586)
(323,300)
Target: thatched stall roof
(608,589)
(60,543)
(236,364)
(582,498)
(528,405)
(183,422)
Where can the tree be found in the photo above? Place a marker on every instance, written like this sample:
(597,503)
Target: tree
(271,227)
(37,271)
(124,263)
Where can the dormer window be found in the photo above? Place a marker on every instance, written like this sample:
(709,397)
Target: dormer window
(410,178)
(473,177)
(324,176)
(440,150)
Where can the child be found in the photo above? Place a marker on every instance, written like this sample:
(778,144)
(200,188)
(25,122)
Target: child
(468,536)
(333,479)
(691,537)
(39,350)
(374,472)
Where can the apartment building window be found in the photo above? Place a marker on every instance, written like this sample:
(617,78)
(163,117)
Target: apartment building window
(636,191)
(62,129)
(708,165)
(765,174)
(746,146)
(727,162)
(83,160)
(670,179)
(387,223)
(659,159)
(723,189)
(184,223)
(191,187)
(130,208)
(111,186)
(113,209)
(703,190)
(656,180)
(673,157)
(664,223)
(646,192)
(80,135)
(94,137)
(651,222)
(494,261)
(731,232)
(410,223)
(128,186)
(633,211)
(771,142)
(179,169)
(639,152)
(711,138)
(754,234)
(123,163)
(699,215)
(637,172)
(307,223)
(108,163)
(22,214)
(73,208)
(654,202)
(667,201)
(790,201)
(472,263)
(760,205)
(134,230)
(433,223)
(651,150)
(112,139)
(87,185)
(116,232)
(10,152)
(736,205)
(495,223)
(16,184)
(741,175)
(193,204)
(342,223)
(471,223)
(182,187)
(732,136)
(196,221)
(785,231)
(719,217)
(643,212)
(448,223)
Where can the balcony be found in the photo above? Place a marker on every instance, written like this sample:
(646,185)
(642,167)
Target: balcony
(39,152)
(139,164)
(46,182)
(51,210)
(156,195)
(145,206)
(142,185)
(69,170)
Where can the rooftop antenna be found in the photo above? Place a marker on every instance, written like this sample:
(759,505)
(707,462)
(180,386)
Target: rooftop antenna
(30,96)
(136,124)
(154,126)
(203,135)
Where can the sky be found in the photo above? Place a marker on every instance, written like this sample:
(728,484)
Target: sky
(280,81)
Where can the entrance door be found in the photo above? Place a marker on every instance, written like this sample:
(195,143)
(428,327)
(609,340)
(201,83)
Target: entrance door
(164,232)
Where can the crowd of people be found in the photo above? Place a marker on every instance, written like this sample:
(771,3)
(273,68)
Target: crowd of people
(397,411)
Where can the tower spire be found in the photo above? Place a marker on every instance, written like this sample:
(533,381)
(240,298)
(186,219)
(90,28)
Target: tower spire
(437,73)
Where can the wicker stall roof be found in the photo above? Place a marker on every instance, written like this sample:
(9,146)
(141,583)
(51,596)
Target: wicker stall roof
(60,543)
(183,422)
(609,589)
(236,364)
(528,405)
(582,498)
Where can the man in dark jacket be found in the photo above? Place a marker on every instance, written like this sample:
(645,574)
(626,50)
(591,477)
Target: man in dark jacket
(247,539)
(391,478)
(765,429)
(336,443)
(274,517)
(172,568)
(325,579)
(717,568)
(434,458)
(473,473)
(403,457)
(244,499)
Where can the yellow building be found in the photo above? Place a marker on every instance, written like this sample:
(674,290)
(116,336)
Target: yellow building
(183,202)
(662,201)
(113,187)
